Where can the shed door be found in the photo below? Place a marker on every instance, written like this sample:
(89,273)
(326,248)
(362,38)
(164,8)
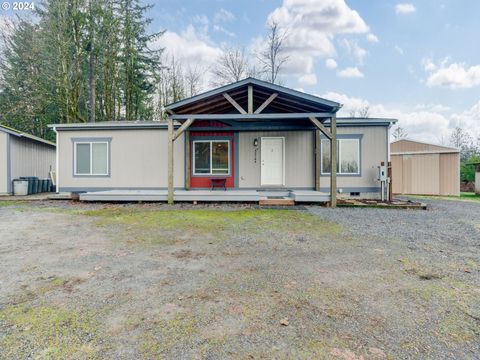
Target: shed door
(272,161)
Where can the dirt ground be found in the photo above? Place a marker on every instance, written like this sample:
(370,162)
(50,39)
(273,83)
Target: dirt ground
(151,281)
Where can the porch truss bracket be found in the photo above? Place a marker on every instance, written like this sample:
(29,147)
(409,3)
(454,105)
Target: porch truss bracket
(321,127)
(234,103)
(182,128)
(266,103)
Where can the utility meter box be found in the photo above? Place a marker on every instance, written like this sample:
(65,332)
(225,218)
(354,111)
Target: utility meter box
(382,173)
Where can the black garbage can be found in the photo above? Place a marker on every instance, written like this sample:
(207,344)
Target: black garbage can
(31,183)
(36,185)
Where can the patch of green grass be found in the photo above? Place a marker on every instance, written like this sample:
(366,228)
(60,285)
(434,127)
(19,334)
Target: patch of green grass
(424,272)
(167,334)
(10,203)
(166,226)
(48,332)
(458,327)
(464,196)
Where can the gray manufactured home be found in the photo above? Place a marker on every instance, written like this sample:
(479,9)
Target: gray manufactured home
(23,154)
(246,141)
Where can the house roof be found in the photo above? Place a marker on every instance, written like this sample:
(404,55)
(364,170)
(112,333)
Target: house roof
(119,125)
(113,124)
(359,121)
(287,100)
(22,134)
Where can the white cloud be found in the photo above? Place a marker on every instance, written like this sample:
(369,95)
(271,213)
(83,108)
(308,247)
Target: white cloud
(428,64)
(399,50)
(331,63)
(433,107)
(354,50)
(192,47)
(372,38)
(430,123)
(312,26)
(405,8)
(221,29)
(453,76)
(223,16)
(351,72)
(307,79)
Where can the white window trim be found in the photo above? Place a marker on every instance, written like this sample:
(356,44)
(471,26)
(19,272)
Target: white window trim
(339,156)
(211,162)
(90,173)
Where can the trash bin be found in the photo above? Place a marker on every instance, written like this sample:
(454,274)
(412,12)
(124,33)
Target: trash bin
(31,183)
(20,187)
(36,184)
(44,185)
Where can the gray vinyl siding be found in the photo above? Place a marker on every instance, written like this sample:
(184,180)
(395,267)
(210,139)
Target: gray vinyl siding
(31,158)
(138,159)
(3,163)
(374,149)
(299,158)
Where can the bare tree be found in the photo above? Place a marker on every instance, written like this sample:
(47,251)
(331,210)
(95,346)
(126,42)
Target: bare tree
(462,140)
(399,133)
(232,66)
(193,80)
(273,57)
(363,112)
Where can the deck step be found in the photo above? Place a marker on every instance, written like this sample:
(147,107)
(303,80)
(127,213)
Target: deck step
(276,201)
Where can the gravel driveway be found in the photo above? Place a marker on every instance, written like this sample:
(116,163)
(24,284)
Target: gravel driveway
(190,282)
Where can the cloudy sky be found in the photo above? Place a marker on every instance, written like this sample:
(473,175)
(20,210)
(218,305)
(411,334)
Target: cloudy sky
(416,61)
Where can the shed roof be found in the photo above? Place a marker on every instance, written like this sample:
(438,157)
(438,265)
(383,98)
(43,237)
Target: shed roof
(22,134)
(409,146)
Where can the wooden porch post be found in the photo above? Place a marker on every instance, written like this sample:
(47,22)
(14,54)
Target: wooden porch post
(333,162)
(317,160)
(170,161)
(188,159)
(250,99)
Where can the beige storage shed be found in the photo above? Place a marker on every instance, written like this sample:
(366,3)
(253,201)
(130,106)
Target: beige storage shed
(424,169)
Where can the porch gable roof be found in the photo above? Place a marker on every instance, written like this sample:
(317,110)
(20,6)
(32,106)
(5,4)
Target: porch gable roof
(268,97)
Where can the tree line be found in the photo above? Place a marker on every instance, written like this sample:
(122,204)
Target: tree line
(94,60)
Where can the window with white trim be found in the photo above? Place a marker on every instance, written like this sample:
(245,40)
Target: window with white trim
(211,157)
(91,158)
(348,156)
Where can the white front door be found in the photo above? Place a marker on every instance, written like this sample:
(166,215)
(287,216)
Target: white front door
(272,161)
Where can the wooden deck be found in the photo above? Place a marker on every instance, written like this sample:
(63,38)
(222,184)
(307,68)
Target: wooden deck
(206,195)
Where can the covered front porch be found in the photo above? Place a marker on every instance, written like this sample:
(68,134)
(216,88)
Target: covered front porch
(252,136)
(266,197)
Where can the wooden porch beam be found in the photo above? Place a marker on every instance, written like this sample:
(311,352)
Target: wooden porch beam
(182,128)
(333,162)
(234,103)
(262,116)
(170,161)
(250,99)
(321,127)
(266,103)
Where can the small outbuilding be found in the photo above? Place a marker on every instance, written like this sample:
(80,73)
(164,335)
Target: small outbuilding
(21,155)
(424,169)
